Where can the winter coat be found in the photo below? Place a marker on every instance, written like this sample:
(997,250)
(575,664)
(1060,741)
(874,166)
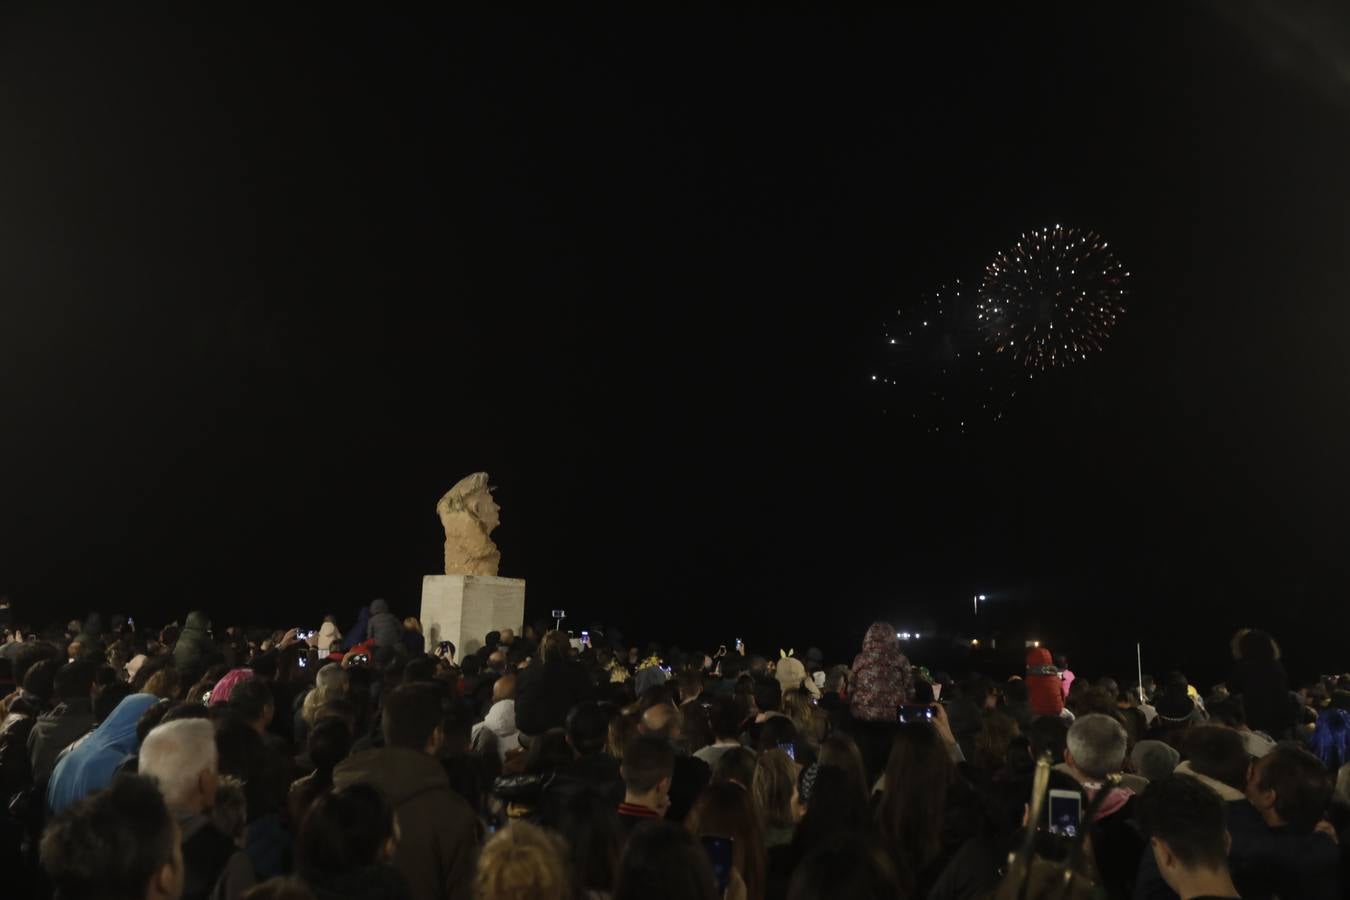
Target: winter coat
(546,691)
(1264,688)
(54,731)
(195,651)
(1045,691)
(384,627)
(881,676)
(91,764)
(438,848)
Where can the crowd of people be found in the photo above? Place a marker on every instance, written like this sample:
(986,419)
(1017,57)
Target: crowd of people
(220,764)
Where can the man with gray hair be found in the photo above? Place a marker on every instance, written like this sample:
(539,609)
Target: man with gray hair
(181,757)
(1095,751)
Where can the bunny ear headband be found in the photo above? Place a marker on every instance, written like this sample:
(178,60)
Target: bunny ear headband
(785,654)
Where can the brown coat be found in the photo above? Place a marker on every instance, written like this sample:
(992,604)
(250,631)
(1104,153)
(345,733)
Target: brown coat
(439,845)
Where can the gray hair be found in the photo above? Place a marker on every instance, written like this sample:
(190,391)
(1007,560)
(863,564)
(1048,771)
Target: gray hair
(175,754)
(1097,743)
(329,684)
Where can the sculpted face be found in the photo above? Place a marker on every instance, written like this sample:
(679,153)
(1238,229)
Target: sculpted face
(485,509)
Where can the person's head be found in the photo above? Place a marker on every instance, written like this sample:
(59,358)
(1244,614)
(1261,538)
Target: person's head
(830,804)
(108,698)
(918,775)
(587,727)
(724,809)
(419,668)
(1219,753)
(591,825)
(647,768)
(507,637)
(1096,746)
(523,862)
(251,701)
(991,743)
(1049,735)
(1015,692)
(412,718)
(725,719)
(329,742)
(40,680)
(773,786)
(844,868)
(181,757)
(75,681)
(345,831)
(1228,712)
(554,647)
(548,752)
(411,624)
(1186,824)
(662,720)
(664,862)
(118,844)
(1289,786)
(841,751)
(230,811)
(690,684)
(768,695)
(1255,646)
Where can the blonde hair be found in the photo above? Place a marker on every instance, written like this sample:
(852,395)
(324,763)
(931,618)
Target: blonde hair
(772,787)
(230,813)
(797,706)
(412,624)
(522,862)
(329,684)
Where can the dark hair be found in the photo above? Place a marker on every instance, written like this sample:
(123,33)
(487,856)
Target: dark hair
(343,832)
(411,715)
(590,823)
(587,727)
(835,808)
(110,844)
(75,680)
(776,730)
(419,668)
(40,679)
(690,680)
(1301,783)
(470,665)
(918,775)
(726,809)
(1190,817)
(249,698)
(735,765)
(1049,734)
(725,718)
(548,752)
(329,742)
(664,862)
(841,751)
(844,868)
(107,699)
(646,760)
(768,695)
(1015,691)
(151,719)
(1219,753)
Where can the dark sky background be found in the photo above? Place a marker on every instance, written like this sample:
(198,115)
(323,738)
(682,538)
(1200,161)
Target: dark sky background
(268,288)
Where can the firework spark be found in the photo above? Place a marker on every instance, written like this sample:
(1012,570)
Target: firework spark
(1053,298)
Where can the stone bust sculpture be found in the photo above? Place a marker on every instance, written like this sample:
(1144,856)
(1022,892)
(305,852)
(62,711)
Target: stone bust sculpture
(469,514)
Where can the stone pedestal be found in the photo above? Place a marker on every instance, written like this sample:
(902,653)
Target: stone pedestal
(464,608)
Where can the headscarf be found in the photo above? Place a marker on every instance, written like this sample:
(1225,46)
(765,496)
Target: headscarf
(501,721)
(1045,695)
(881,676)
(91,763)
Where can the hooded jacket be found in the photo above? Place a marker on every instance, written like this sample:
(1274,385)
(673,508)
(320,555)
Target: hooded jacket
(438,848)
(546,691)
(881,676)
(1044,691)
(499,727)
(195,651)
(91,764)
(384,628)
(358,633)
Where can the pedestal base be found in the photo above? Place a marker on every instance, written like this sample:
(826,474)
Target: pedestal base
(464,608)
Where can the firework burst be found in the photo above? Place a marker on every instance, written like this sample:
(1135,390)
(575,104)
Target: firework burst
(1053,298)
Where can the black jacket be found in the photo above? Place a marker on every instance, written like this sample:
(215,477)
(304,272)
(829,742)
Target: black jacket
(546,691)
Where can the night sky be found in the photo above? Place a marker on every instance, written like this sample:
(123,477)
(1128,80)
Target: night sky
(269,287)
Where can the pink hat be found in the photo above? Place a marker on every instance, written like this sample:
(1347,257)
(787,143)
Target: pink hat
(221,692)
